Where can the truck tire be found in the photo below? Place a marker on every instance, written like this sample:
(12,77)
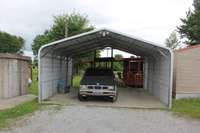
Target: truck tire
(81,98)
(114,99)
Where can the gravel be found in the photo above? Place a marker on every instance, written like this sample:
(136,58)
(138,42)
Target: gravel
(84,119)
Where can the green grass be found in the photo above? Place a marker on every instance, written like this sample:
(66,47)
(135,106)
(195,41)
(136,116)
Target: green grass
(187,107)
(33,89)
(76,81)
(17,111)
(8,115)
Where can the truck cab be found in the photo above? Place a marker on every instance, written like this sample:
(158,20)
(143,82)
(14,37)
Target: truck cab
(98,82)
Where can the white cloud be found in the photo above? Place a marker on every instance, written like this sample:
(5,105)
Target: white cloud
(152,20)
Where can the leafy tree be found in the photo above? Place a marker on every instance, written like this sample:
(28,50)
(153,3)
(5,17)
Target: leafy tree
(173,41)
(118,66)
(39,41)
(190,27)
(72,24)
(10,43)
(196,4)
(118,56)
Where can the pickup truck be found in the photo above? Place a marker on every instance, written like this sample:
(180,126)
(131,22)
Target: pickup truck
(98,82)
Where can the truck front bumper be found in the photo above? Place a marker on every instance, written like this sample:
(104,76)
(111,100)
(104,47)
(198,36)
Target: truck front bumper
(97,93)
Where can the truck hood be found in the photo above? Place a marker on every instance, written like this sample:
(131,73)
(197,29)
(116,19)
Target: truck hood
(94,80)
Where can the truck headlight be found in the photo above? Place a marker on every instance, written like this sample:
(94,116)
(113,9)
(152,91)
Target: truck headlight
(111,88)
(83,87)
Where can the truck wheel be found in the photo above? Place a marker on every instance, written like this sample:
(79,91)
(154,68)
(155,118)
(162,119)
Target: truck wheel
(114,99)
(81,98)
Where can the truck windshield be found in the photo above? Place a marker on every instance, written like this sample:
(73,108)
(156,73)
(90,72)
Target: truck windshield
(99,72)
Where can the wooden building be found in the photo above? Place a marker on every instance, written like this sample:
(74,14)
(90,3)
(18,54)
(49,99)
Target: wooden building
(187,72)
(14,74)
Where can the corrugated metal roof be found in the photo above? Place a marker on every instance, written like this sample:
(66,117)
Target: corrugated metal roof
(99,39)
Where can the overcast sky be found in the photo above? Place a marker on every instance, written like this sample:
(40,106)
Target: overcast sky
(151,20)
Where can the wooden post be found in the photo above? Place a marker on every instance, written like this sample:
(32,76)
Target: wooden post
(94,62)
(66,31)
(111,58)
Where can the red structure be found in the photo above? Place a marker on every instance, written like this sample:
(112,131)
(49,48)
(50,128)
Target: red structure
(133,72)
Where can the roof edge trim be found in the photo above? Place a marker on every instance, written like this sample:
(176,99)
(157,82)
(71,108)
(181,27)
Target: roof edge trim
(98,30)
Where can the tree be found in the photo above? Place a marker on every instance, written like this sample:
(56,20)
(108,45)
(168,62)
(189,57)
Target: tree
(39,41)
(190,27)
(172,42)
(196,4)
(72,24)
(118,56)
(10,43)
(118,66)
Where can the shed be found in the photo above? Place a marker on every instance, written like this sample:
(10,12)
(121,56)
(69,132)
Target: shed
(56,61)
(15,71)
(186,72)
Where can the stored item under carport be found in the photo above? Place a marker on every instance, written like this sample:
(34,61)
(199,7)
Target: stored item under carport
(98,82)
(133,71)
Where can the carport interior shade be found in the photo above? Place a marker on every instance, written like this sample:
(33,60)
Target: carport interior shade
(98,76)
(98,72)
(56,61)
(94,80)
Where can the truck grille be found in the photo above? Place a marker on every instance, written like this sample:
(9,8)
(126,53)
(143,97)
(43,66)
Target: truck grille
(90,87)
(105,87)
(97,87)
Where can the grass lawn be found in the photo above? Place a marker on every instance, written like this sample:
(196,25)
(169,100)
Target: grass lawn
(33,89)
(24,108)
(8,115)
(15,112)
(187,107)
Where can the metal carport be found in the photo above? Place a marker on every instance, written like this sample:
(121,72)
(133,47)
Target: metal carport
(56,61)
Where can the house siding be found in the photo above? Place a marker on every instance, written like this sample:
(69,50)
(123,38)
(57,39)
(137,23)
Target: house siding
(15,72)
(187,73)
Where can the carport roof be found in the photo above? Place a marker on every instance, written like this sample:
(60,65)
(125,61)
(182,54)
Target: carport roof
(159,70)
(101,38)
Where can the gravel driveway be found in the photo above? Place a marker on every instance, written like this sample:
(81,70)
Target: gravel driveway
(82,119)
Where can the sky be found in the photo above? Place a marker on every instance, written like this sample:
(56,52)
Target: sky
(152,20)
